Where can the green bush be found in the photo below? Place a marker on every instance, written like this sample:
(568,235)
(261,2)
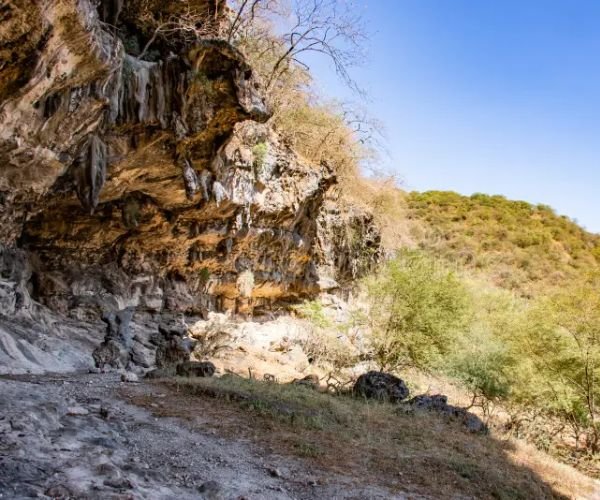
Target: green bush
(562,342)
(259,151)
(483,359)
(314,312)
(417,309)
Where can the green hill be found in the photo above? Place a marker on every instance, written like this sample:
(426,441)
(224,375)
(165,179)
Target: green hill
(516,245)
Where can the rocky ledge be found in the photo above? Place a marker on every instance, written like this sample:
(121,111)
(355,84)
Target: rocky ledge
(153,183)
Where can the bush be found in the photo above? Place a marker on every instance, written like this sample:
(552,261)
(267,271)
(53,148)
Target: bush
(562,341)
(484,366)
(484,359)
(259,151)
(314,312)
(417,308)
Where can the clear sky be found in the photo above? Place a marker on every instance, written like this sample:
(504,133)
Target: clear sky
(500,97)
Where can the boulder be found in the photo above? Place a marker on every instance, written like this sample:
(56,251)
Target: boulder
(59,491)
(172,352)
(195,369)
(129,377)
(436,402)
(111,354)
(173,346)
(212,490)
(381,386)
(439,403)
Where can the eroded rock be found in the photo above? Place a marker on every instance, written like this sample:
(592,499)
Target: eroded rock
(381,386)
(115,351)
(153,183)
(173,345)
(139,182)
(438,403)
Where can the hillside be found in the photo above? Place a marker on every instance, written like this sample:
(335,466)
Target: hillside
(519,246)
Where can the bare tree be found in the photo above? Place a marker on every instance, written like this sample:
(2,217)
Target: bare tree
(190,24)
(286,31)
(246,12)
(326,27)
(290,29)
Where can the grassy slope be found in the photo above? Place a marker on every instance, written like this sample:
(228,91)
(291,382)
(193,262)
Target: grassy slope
(518,246)
(374,442)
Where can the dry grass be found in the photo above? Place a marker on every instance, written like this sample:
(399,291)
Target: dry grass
(408,453)
(562,478)
(386,202)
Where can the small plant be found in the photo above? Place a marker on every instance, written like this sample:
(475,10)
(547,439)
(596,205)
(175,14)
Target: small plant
(205,84)
(131,45)
(314,312)
(259,151)
(204,275)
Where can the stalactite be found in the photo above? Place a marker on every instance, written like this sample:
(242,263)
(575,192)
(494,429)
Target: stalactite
(90,172)
(219,192)
(205,178)
(190,179)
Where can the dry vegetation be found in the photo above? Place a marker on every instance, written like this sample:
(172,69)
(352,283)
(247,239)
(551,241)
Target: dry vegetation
(518,246)
(536,360)
(374,442)
(341,135)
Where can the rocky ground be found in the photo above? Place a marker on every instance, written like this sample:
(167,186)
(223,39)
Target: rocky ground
(80,436)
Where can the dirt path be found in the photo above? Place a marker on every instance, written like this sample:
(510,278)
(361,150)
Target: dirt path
(75,435)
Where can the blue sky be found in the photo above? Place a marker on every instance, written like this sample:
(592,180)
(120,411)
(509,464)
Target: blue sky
(501,97)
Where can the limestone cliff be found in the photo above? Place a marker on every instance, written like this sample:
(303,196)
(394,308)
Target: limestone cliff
(155,183)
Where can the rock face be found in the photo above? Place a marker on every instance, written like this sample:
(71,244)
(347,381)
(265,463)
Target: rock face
(153,183)
(381,386)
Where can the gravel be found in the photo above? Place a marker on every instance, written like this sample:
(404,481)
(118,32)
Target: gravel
(73,435)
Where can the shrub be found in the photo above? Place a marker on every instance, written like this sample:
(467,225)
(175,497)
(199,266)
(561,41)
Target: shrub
(204,275)
(314,312)
(562,341)
(417,308)
(483,360)
(259,151)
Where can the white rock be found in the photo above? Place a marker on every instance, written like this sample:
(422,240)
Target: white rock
(77,411)
(129,377)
